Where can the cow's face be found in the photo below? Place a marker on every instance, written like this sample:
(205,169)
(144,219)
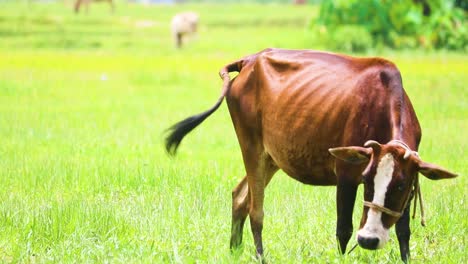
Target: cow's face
(388,179)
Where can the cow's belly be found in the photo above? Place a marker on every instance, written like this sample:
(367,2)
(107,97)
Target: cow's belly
(298,129)
(307,162)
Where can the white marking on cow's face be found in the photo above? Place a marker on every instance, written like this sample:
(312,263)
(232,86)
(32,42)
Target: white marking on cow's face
(374,227)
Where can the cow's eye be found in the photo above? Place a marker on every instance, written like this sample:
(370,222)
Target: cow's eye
(401,187)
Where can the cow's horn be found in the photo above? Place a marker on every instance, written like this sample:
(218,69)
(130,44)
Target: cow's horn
(408,153)
(373,144)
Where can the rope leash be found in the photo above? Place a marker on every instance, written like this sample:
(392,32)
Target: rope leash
(417,188)
(382,209)
(349,252)
(418,196)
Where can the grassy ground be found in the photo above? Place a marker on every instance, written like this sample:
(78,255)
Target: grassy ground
(85,99)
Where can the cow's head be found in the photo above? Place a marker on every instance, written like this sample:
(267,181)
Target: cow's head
(388,182)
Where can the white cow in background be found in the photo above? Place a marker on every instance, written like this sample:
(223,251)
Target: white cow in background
(182,25)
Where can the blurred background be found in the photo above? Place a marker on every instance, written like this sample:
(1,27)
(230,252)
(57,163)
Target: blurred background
(349,26)
(88,88)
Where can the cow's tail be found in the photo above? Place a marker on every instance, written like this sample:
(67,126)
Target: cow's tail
(178,131)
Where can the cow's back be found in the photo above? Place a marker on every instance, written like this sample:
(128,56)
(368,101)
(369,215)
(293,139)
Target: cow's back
(301,103)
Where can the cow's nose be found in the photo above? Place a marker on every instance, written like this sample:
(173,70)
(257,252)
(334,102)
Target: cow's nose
(368,242)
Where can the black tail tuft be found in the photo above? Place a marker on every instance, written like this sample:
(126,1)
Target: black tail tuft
(182,128)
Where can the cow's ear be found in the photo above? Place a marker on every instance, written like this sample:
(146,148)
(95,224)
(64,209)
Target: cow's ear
(434,172)
(355,155)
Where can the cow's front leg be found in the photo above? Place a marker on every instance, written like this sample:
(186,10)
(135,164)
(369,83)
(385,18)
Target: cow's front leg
(403,233)
(345,198)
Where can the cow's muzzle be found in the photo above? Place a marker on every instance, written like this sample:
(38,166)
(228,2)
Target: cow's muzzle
(371,243)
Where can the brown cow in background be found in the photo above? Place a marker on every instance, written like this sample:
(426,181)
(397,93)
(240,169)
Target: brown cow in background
(79,3)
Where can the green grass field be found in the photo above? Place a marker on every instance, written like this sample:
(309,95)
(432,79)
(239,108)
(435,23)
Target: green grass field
(85,100)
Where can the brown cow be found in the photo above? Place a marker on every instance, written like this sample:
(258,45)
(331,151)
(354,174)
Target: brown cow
(78,4)
(319,117)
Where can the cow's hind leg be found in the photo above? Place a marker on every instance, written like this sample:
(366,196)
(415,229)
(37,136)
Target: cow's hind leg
(240,210)
(111,3)
(259,173)
(77,5)
(242,203)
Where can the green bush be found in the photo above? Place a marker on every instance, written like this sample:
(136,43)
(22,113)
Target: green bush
(400,23)
(447,26)
(351,38)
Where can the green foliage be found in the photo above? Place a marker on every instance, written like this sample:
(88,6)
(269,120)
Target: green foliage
(400,23)
(351,39)
(447,26)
